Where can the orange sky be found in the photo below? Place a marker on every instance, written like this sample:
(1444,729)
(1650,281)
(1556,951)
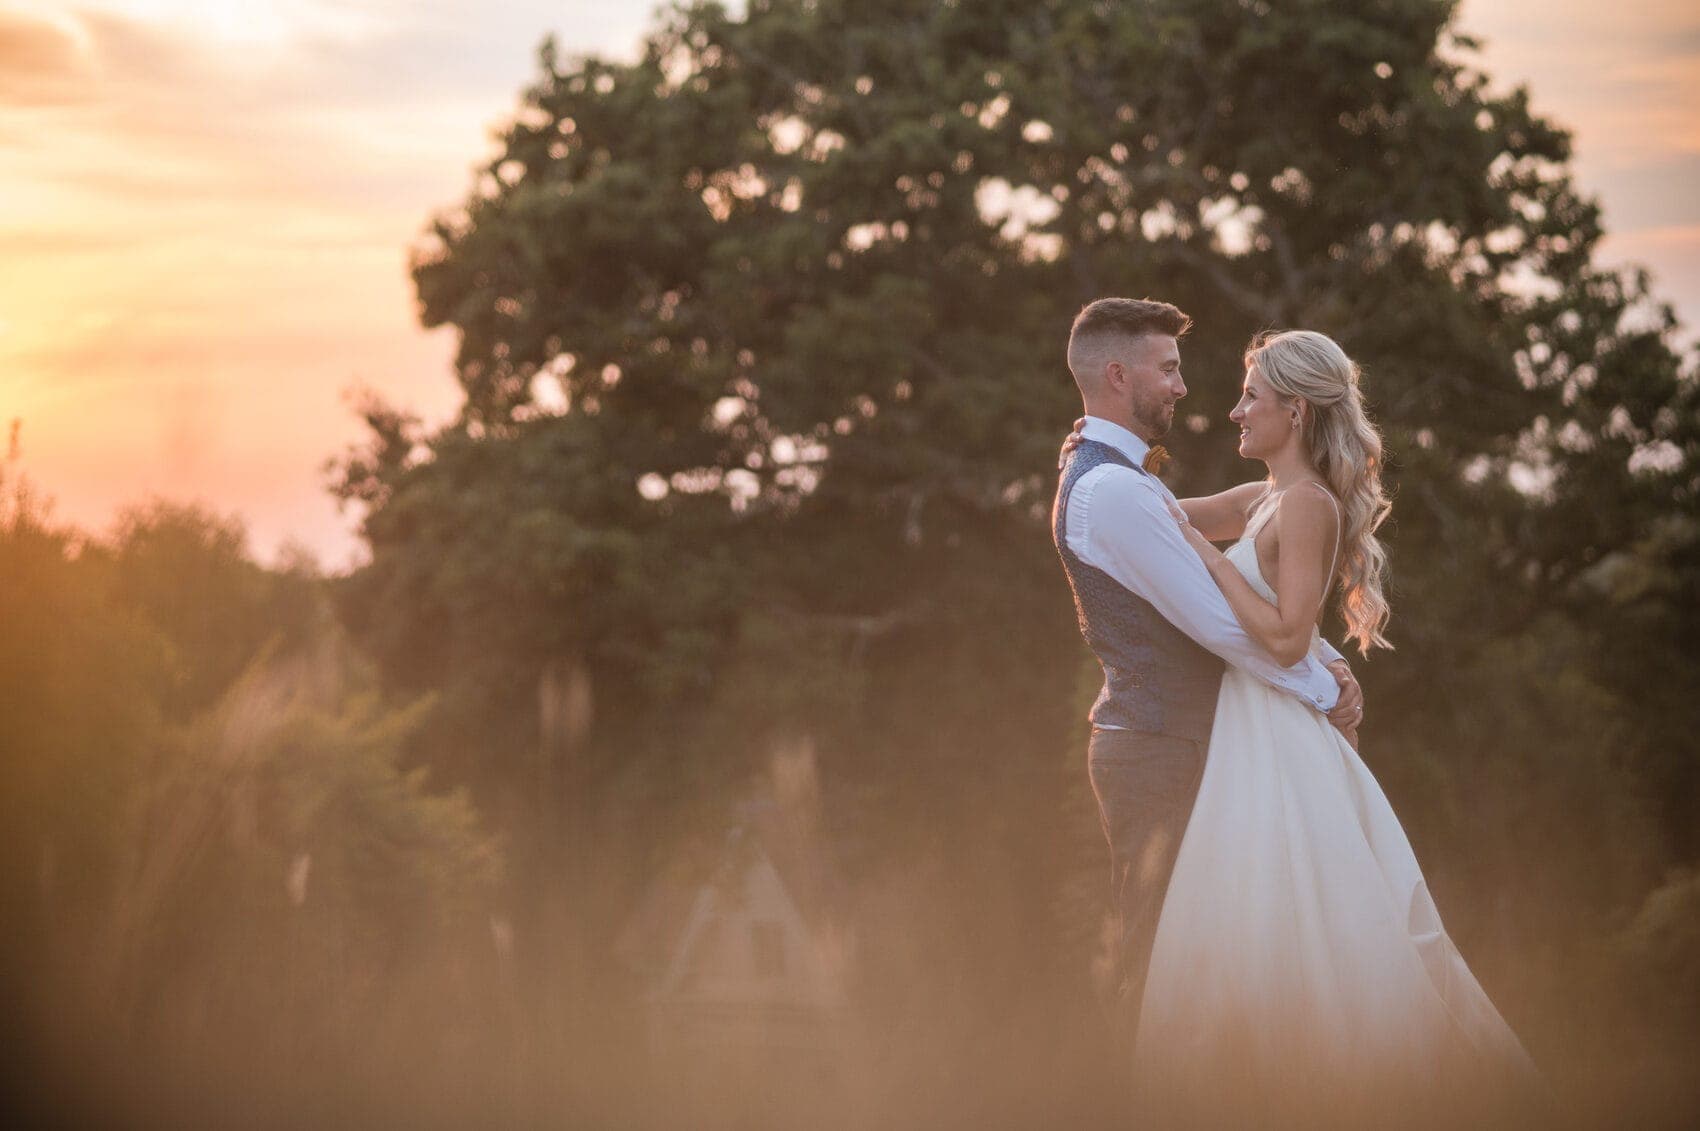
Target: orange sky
(207,208)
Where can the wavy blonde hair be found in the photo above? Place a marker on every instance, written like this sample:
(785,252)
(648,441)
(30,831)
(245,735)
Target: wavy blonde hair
(1345,447)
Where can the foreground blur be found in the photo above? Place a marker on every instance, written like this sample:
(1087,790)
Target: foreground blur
(231,902)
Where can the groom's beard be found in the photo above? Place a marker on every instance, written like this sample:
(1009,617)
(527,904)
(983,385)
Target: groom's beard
(1154,418)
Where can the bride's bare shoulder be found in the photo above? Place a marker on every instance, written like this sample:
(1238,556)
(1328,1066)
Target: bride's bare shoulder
(1311,495)
(1308,510)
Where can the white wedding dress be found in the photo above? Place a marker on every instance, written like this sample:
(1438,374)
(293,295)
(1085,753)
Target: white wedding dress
(1300,975)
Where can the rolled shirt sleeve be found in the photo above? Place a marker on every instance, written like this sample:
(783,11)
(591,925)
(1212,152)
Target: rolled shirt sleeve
(1118,521)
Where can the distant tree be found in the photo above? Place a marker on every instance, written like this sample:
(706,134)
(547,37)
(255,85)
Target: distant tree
(80,684)
(188,572)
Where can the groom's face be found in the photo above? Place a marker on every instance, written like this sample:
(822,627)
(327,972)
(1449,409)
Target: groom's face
(1152,369)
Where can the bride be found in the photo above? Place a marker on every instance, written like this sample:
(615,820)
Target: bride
(1300,975)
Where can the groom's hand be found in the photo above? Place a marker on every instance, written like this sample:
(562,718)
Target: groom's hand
(1348,712)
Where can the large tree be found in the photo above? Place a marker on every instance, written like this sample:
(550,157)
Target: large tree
(761,345)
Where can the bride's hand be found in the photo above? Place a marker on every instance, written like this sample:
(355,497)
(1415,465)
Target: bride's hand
(1071,442)
(1201,545)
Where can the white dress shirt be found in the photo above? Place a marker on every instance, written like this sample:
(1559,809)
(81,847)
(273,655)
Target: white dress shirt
(1119,522)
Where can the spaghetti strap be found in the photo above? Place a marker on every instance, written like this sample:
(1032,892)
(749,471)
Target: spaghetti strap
(1266,507)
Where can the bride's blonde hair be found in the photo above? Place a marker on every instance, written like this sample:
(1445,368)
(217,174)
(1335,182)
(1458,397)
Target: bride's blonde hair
(1345,448)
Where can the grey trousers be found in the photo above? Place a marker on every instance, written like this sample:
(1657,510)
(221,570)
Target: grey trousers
(1146,785)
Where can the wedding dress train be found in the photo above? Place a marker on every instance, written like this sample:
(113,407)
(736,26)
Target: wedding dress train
(1300,974)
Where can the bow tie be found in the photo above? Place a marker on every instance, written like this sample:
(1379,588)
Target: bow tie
(1155,459)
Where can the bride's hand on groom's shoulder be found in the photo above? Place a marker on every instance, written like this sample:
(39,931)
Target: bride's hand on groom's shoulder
(1071,442)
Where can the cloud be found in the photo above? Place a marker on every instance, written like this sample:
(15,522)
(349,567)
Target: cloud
(395,104)
(1659,193)
(44,60)
(208,211)
(1627,82)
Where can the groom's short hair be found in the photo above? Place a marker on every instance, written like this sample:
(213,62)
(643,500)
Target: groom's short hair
(1129,317)
(1100,324)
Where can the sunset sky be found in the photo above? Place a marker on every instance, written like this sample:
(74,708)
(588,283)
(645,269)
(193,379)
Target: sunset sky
(207,209)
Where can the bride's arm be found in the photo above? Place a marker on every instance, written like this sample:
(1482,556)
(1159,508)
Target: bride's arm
(1305,526)
(1222,517)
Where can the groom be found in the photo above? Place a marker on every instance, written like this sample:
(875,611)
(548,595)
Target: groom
(1153,616)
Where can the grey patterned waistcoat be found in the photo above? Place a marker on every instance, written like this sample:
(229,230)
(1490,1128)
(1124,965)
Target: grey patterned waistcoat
(1156,678)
